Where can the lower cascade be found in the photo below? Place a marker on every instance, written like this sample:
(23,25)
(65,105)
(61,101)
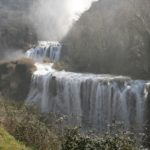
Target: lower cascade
(96,100)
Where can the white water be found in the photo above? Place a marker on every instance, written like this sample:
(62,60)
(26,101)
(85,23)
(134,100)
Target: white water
(96,100)
(45,50)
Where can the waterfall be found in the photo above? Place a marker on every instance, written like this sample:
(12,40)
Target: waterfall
(45,51)
(97,100)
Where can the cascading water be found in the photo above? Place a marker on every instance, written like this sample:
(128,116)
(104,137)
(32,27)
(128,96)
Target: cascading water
(96,100)
(45,50)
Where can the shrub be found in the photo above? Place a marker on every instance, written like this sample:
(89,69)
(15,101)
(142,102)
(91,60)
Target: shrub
(25,125)
(35,133)
(75,141)
(8,142)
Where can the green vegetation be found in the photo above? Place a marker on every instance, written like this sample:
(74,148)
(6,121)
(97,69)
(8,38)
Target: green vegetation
(7,142)
(75,141)
(15,78)
(112,37)
(25,125)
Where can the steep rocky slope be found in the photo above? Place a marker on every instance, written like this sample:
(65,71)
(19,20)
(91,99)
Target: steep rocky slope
(15,78)
(8,142)
(113,36)
(16,30)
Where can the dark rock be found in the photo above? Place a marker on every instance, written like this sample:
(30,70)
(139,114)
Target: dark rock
(15,78)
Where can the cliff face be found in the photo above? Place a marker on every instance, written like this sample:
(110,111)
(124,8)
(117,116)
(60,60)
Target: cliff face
(16,30)
(113,36)
(15,78)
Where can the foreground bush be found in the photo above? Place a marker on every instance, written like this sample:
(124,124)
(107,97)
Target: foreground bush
(25,125)
(75,141)
(7,142)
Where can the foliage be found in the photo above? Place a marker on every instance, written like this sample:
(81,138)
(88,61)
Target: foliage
(23,122)
(35,133)
(8,142)
(75,141)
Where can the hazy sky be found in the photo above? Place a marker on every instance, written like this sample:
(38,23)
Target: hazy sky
(78,6)
(53,18)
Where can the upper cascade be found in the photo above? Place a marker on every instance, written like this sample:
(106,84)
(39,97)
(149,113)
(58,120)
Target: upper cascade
(45,50)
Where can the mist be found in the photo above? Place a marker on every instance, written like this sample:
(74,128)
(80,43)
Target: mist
(23,22)
(52,19)
(15,54)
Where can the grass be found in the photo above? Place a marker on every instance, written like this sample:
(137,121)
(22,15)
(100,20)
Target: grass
(8,142)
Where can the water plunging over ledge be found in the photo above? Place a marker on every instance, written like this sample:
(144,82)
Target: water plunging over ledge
(97,100)
(49,50)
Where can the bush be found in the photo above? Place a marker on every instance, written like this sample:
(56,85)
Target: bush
(25,125)
(75,141)
(35,133)
(8,142)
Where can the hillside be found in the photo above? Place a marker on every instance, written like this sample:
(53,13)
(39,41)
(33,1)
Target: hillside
(8,142)
(16,31)
(113,36)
